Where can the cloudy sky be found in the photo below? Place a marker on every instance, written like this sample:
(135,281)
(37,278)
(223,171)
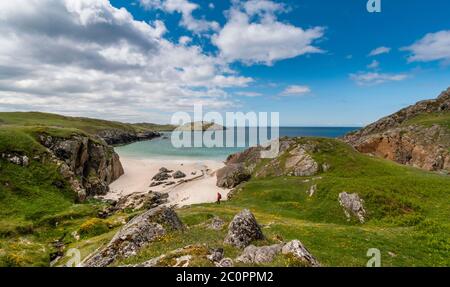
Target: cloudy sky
(318,63)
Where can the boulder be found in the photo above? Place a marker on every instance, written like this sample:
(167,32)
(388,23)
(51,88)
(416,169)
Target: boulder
(258,255)
(178,174)
(138,232)
(352,204)
(225,262)
(301,163)
(163,169)
(180,257)
(215,255)
(216,223)
(161,176)
(135,201)
(295,248)
(243,229)
(231,175)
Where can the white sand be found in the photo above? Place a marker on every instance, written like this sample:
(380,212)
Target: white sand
(199,188)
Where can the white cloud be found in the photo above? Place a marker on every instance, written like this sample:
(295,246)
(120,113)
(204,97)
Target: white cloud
(379,51)
(370,78)
(86,57)
(255,7)
(185,8)
(432,47)
(296,90)
(184,40)
(262,39)
(374,65)
(249,94)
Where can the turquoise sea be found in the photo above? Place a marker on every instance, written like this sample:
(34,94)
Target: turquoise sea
(162,147)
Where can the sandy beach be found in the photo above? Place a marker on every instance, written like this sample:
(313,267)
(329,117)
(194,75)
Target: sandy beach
(199,185)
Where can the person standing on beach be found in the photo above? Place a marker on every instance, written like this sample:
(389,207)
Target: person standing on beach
(219,197)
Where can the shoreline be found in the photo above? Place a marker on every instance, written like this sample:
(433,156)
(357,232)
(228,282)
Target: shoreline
(199,185)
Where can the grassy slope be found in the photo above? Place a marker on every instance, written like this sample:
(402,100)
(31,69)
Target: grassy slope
(442,119)
(87,125)
(408,212)
(30,203)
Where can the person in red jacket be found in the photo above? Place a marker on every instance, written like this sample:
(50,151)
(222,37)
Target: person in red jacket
(219,197)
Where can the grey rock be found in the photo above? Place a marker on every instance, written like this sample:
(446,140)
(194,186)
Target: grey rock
(178,174)
(243,229)
(215,255)
(137,233)
(258,255)
(296,249)
(161,176)
(352,204)
(216,223)
(231,175)
(225,262)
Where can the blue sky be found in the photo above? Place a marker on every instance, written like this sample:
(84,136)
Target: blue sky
(322,74)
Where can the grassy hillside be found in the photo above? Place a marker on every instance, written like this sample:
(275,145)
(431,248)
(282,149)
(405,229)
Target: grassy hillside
(87,125)
(408,214)
(442,119)
(36,204)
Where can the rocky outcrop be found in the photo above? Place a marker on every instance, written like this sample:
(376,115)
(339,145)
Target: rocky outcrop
(134,202)
(119,137)
(137,233)
(231,175)
(266,254)
(258,255)
(243,229)
(396,138)
(180,257)
(353,205)
(296,249)
(88,164)
(294,159)
(17,159)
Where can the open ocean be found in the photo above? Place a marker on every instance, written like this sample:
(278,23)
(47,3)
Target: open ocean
(162,147)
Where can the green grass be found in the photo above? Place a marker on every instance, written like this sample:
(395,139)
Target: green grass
(87,125)
(408,213)
(442,119)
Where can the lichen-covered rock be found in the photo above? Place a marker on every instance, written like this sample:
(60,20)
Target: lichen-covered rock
(352,204)
(135,201)
(243,229)
(258,255)
(296,249)
(266,254)
(301,163)
(225,262)
(180,257)
(215,255)
(216,223)
(231,175)
(21,160)
(138,232)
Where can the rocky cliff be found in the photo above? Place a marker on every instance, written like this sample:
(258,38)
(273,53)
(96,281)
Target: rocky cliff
(119,137)
(294,159)
(87,163)
(402,138)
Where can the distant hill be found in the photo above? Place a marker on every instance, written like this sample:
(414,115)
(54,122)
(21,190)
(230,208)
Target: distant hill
(201,126)
(418,135)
